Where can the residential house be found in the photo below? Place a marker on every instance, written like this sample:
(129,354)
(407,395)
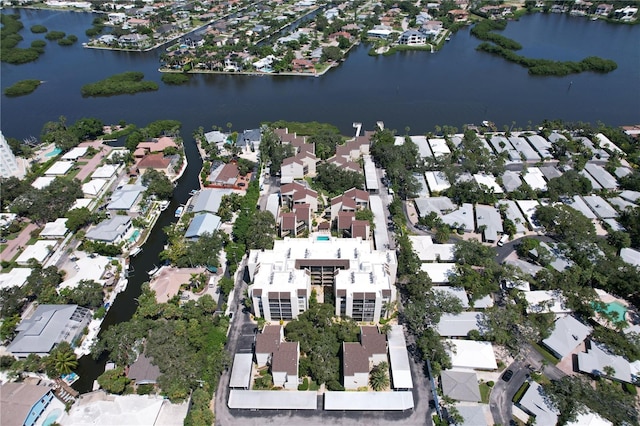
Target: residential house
(157,144)
(124,198)
(567,334)
(599,361)
(22,404)
(458,15)
(158,162)
(604,9)
(296,222)
(249,140)
(202,223)
(143,371)
(303,65)
(459,325)
(297,193)
(412,38)
(207,200)
(470,354)
(359,357)
(536,403)
(110,231)
(282,357)
(136,41)
(48,326)
(460,385)
(39,251)
(227,176)
(298,167)
(489,222)
(352,200)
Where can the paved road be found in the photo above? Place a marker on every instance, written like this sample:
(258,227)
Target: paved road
(500,400)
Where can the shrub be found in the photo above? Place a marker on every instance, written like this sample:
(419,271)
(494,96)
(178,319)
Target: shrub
(490,383)
(305,385)
(144,389)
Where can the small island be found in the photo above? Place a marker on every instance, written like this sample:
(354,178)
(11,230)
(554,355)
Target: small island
(128,82)
(22,87)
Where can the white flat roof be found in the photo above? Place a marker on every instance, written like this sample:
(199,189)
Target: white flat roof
(535,178)
(75,153)
(371,177)
(132,410)
(55,229)
(630,256)
(42,182)
(535,402)
(368,401)
(472,354)
(457,292)
(600,206)
(15,277)
(427,251)
(39,251)
(459,325)
(94,186)
(542,301)
(241,371)
(439,147)
(528,209)
(578,203)
(399,359)
(380,234)
(106,171)
(58,168)
(81,202)
(437,181)
(489,181)
(271,400)
(439,272)
(515,215)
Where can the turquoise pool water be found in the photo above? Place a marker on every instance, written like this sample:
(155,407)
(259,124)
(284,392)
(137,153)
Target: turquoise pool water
(322,238)
(134,236)
(53,153)
(52,417)
(615,307)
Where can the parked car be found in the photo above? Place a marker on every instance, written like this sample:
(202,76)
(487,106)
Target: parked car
(507,375)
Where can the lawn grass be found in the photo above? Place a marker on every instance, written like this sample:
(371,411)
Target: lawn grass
(485,390)
(518,396)
(545,353)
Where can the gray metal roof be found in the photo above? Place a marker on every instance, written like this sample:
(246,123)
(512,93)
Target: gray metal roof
(273,205)
(49,325)
(247,137)
(370,401)
(125,197)
(380,235)
(578,203)
(241,371)
(604,178)
(521,145)
(201,223)
(515,215)
(271,400)
(489,217)
(110,230)
(371,177)
(460,385)
(567,334)
(208,200)
(600,207)
(459,325)
(511,180)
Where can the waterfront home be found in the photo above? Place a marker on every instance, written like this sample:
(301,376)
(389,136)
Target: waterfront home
(298,167)
(158,162)
(412,38)
(124,198)
(23,403)
(110,231)
(48,326)
(604,9)
(202,223)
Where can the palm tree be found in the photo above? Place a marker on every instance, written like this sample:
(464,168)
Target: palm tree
(379,376)
(62,359)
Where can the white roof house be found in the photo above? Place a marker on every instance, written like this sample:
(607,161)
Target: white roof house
(600,207)
(594,183)
(15,277)
(93,187)
(596,360)
(81,202)
(39,251)
(208,200)
(514,214)
(578,203)
(511,180)
(460,385)
(606,143)
(543,301)
(55,229)
(488,217)
(42,182)
(541,145)
(589,419)
(489,181)
(423,146)
(427,251)
(461,218)
(370,175)
(423,190)
(439,272)
(126,197)
(475,414)
(439,147)
(437,181)
(459,325)
(111,230)
(500,143)
(603,177)
(75,153)
(567,334)
(630,256)
(457,292)
(520,144)
(59,168)
(106,171)
(433,204)
(535,402)
(471,354)
(535,178)
(528,209)
(367,401)
(202,223)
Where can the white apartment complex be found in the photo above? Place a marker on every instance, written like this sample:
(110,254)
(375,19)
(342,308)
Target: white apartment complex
(360,280)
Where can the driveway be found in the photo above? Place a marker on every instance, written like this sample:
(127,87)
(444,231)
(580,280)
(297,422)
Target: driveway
(15,245)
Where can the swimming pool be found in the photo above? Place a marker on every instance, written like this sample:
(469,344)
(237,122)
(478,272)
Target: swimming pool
(323,238)
(53,153)
(52,417)
(134,236)
(613,308)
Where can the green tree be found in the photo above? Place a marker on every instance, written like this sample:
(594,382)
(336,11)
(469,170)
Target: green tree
(78,218)
(379,377)
(263,229)
(158,184)
(335,180)
(61,360)
(113,381)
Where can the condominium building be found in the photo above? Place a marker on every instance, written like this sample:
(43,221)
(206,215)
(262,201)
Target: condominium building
(359,279)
